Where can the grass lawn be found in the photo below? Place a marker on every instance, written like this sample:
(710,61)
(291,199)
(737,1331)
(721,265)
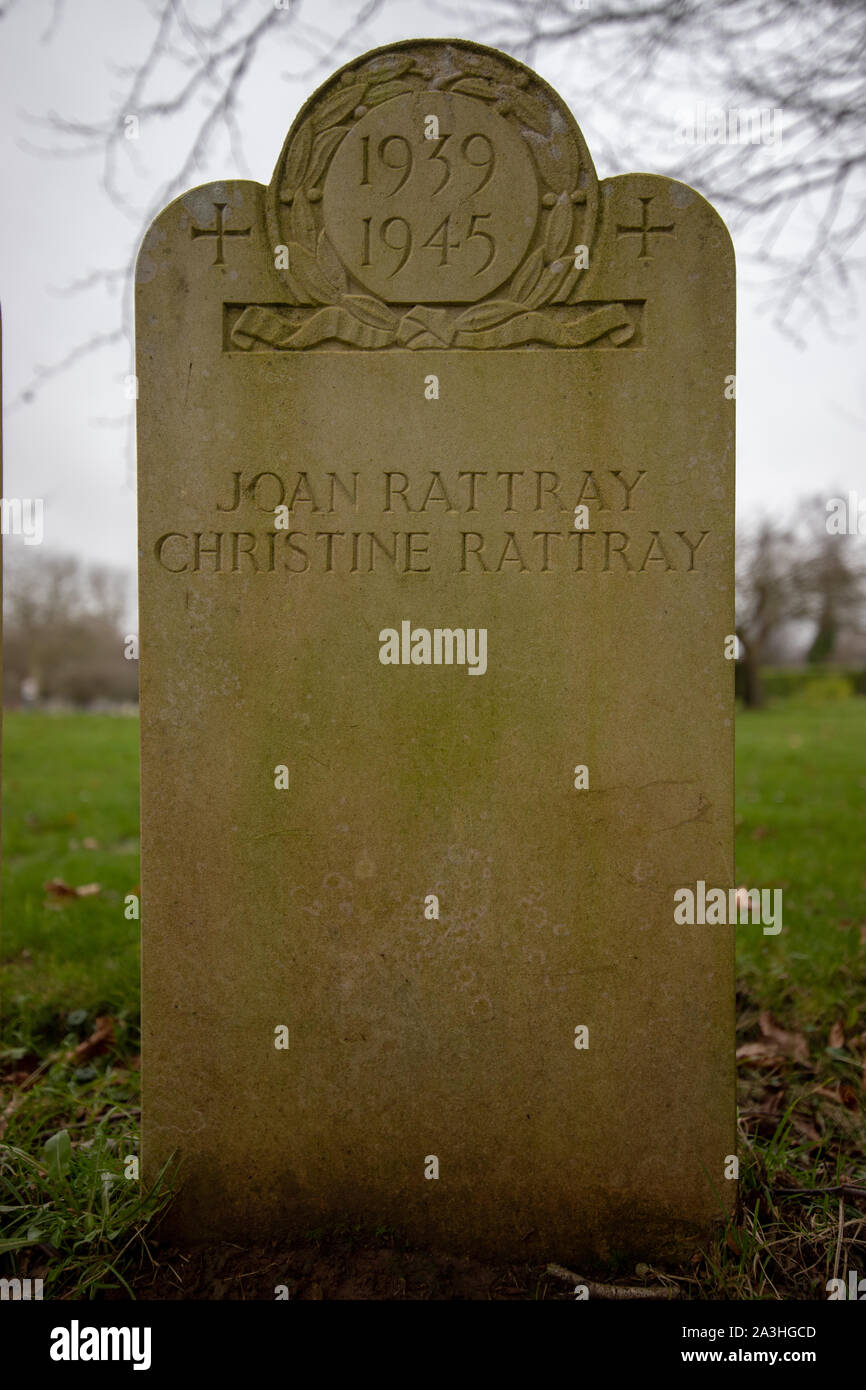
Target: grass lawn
(69,1043)
(801,827)
(70,813)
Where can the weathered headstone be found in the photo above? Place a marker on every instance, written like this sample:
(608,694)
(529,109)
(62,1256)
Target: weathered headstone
(436,507)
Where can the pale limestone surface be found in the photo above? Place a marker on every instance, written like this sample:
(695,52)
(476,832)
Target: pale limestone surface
(558,386)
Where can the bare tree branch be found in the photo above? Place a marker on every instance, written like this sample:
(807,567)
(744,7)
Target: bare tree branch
(803,200)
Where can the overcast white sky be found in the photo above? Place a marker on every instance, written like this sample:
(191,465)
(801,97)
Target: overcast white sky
(802,413)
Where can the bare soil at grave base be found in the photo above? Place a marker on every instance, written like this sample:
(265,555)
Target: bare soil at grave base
(337,1270)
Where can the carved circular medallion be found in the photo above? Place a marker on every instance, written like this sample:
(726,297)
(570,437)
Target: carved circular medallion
(431,198)
(438,175)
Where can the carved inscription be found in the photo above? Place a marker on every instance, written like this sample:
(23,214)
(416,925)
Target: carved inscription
(545,524)
(406,186)
(443,220)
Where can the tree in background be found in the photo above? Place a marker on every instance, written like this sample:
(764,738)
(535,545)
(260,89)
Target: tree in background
(831,580)
(801,199)
(796,576)
(63,634)
(764,597)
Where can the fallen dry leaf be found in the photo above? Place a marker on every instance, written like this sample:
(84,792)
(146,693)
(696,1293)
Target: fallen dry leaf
(734,1242)
(843,1095)
(837,1035)
(758,1052)
(17,1071)
(792,1044)
(848,1095)
(90,843)
(58,889)
(99,1041)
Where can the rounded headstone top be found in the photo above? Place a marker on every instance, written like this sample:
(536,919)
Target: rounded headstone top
(433,173)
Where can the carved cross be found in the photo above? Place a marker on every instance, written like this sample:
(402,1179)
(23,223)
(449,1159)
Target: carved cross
(645,230)
(219,232)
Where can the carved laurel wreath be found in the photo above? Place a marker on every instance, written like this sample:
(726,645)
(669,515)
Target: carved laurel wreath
(316,276)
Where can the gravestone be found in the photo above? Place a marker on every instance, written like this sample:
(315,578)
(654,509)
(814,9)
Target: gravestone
(436,507)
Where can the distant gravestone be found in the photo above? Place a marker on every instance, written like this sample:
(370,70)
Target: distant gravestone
(436,506)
